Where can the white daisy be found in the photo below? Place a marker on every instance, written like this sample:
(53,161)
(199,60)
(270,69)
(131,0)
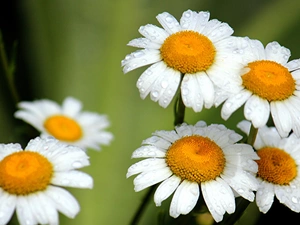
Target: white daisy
(66,123)
(199,49)
(278,168)
(268,83)
(193,158)
(30,180)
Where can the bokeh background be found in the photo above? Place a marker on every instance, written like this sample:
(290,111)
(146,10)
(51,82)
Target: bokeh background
(75,47)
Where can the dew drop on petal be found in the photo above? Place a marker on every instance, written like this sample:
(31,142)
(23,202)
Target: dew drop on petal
(294,200)
(154,94)
(77,164)
(169,19)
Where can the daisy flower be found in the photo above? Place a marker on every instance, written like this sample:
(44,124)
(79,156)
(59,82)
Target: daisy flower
(193,158)
(268,83)
(199,49)
(67,123)
(30,180)
(278,168)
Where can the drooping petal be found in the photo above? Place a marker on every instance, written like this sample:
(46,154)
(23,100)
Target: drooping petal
(219,198)
(165,189)
(185,198)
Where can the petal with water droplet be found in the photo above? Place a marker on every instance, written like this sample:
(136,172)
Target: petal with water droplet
(185,198)
(276,52)
(168,22)
(165,189)
(73,179)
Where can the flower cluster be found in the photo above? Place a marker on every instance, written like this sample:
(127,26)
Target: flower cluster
(31,180)
(200,62)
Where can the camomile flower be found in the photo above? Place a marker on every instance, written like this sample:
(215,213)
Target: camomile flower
(278,168)
(192,54)
(193,158)
(30,180)
(268,84)
(67,123)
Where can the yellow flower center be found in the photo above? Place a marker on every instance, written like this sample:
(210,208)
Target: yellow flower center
(188,52)
(269,80)
(195,158)
(63,128)
(276,166)
(22,173)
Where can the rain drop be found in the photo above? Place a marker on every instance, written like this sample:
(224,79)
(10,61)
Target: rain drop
(169,19)
(294,200)
(154,94)
(77,164)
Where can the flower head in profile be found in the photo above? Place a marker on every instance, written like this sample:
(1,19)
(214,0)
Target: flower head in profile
(268,83)
(30,180)
(193,158)
(278,168)
(66,123)
(199,49)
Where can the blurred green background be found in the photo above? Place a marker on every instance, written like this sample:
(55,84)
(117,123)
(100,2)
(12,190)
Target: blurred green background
(75,48)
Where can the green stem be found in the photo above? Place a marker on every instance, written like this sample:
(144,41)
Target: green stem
(142,206)
(8,70)
(252,135)
(179,108)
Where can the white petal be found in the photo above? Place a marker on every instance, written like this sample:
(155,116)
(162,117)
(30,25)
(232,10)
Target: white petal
(156,141)
(165,87)
(277,53)
(149,178)
(191,94)
(168,22)
(154,33)
(140,58)
(281,117)
(144,43)
(265,197)
(233,103)
(293,65)
(71,106)
(24,213)
(155,77)
(72,178)
(7,149)
(244,183)
(43,209)
(170,136)
(289,196)
(64,201)
(7,206)
(191,20)
(165,189)
(148,151)
(219,198)
(184,130)
(219,32)
(185,198)
(257,110)
(146,165)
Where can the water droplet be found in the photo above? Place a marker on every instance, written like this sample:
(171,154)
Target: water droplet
(187,14)
(154,94)
(138,54)
(169,19)
(77,164)
(240,190)
(294,199)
